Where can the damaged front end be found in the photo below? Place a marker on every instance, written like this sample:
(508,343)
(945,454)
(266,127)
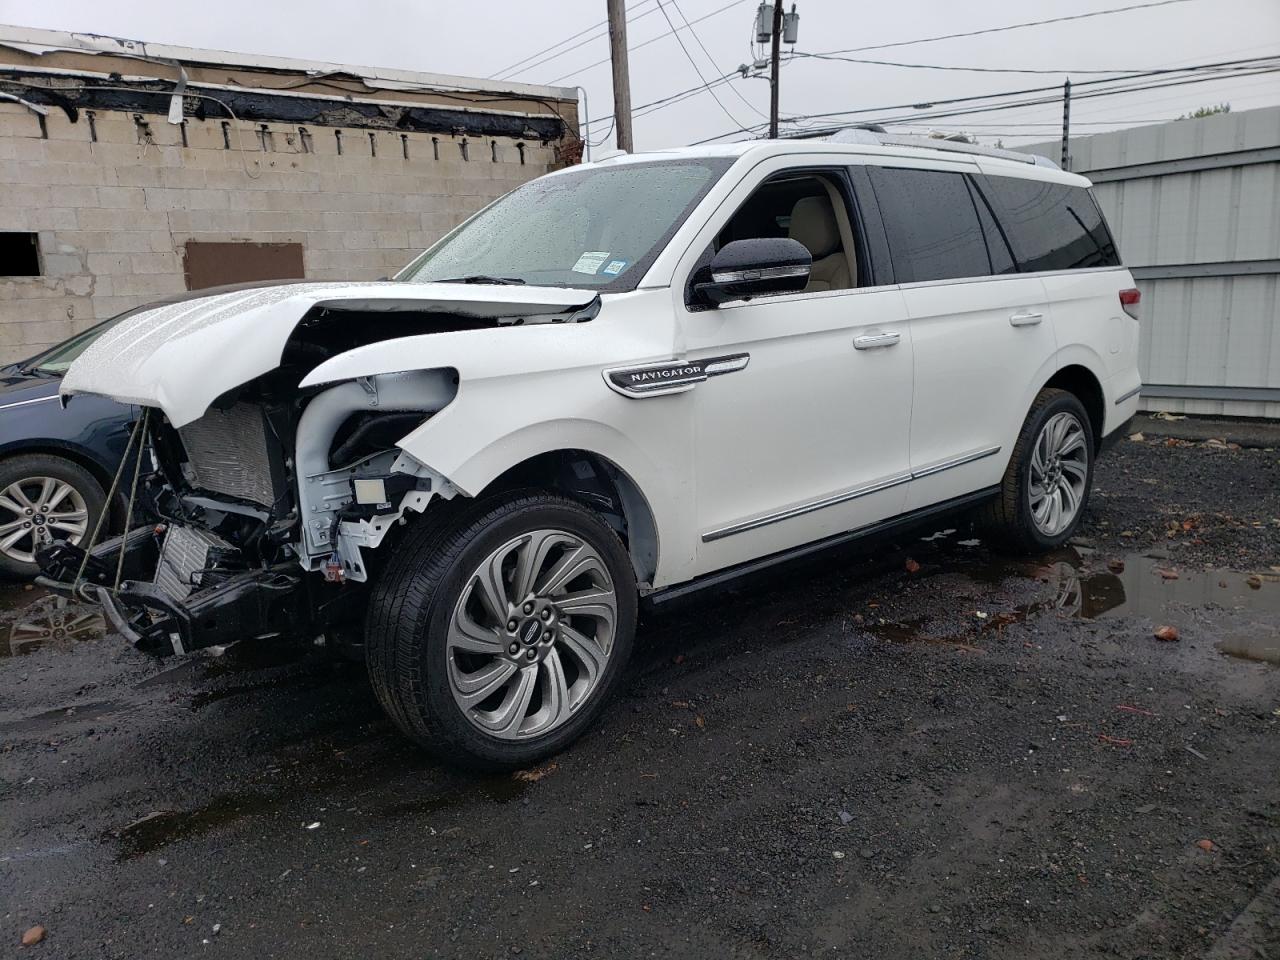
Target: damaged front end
(250,498)
(268,497)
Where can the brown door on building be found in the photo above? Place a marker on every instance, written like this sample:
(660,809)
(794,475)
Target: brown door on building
(216,264)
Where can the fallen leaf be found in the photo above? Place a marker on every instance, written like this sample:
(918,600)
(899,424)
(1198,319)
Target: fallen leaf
(1166,574)
(678,659)
(536,773)
(1136,437)
(912,566)
(700,721)
(1254,582)
(1166,633)
(1208,846)
(33,936)
(1115,566)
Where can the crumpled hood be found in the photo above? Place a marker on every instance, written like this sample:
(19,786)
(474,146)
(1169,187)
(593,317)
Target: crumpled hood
(181,356)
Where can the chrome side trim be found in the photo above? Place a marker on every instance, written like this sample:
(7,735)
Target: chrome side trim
(23,403)
(764,273)
(1132,393)
(670,376)
(829,501)
(837,498)
(950,462)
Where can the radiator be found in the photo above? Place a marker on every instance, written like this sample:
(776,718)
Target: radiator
(227,453)
(185,551)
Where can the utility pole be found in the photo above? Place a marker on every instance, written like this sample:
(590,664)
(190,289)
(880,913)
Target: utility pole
(1066,124)
(621,73)
(775,60)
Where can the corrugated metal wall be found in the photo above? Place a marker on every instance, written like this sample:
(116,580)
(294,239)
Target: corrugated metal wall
(1195,206)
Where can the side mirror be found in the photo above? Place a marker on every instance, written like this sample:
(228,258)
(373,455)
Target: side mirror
(755,268)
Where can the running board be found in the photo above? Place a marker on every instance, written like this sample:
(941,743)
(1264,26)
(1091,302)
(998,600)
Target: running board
(902,521)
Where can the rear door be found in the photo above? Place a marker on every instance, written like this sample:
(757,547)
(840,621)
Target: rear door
(979,331)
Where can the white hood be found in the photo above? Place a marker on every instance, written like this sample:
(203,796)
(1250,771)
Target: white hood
(181,356)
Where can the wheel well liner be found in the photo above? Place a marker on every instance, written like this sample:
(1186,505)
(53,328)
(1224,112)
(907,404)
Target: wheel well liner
(1081,382)
(600,484)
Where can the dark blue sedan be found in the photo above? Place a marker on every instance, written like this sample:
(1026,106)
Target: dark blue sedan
(56,464)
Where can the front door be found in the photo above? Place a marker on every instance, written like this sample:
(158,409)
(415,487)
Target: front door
(801,430)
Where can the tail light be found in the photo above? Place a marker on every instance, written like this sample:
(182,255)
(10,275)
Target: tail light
(1129,300)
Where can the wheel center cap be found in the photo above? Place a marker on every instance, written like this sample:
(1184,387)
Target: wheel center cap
(530,631)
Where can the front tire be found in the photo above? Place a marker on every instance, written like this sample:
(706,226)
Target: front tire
(1046,485)
(496,636)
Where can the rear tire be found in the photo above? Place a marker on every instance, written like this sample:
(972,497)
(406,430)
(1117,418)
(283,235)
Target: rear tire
(44,498)
(498,632)
(1045,489)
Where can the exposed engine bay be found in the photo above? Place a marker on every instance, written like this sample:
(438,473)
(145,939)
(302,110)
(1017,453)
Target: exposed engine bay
(273,482)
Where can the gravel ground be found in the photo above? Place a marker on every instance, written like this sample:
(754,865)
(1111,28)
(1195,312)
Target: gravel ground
(975,758)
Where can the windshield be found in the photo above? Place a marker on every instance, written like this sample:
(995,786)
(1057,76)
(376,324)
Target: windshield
(597,227)
(56,360)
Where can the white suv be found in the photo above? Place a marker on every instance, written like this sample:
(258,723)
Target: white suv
(624,380)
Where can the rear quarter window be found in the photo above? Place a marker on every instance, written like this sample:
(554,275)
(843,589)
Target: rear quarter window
(931,223)
(1051,226)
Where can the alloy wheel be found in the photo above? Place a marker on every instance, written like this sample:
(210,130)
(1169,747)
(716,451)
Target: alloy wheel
(531,634)
(1059,473)
(36,511)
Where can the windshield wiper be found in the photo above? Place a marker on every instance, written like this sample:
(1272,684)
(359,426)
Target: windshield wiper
(484,278)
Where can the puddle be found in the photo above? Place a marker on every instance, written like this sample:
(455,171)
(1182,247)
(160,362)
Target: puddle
(34,619)
(164,827)
(1086,587)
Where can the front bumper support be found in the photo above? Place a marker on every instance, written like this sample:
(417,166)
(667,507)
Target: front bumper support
(252,603)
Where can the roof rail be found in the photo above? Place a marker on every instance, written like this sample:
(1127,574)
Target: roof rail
(879,137)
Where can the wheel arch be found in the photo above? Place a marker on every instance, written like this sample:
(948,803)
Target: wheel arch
(599,484)
(1084,385)
(81,458)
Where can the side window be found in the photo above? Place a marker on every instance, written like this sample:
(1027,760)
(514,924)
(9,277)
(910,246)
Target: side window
(1052,226)
(808,207)
(932,224)
(997,246)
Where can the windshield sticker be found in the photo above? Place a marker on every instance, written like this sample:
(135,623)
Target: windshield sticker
(591,261)
(615,267)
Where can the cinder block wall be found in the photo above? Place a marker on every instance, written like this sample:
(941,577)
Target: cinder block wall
(114,207)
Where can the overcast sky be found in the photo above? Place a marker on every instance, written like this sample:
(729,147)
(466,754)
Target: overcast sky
(480,38)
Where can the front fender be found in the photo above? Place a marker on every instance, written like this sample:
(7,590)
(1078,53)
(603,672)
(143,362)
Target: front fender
(494,425)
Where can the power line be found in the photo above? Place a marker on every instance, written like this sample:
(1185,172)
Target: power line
(696,69)
(935,66)
(1041,101)
(682,95)
(1245,71)
(1010,26)
(645,43)
(558,43)
(712,60)
(512,72)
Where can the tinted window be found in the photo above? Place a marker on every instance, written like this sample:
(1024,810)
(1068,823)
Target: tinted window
(1051,226)
(997,244)
(932,225)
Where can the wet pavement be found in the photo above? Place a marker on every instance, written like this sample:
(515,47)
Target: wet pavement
(914,749)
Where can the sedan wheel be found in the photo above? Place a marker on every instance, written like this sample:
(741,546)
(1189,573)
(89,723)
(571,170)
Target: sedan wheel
(36,511)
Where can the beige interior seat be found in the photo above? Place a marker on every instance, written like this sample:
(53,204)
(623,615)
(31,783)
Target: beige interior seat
(813,223)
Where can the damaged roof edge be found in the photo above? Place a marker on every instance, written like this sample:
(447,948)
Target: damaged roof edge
(38,42)
(154,96)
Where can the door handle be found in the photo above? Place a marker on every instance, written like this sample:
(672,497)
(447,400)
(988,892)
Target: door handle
(1025,318)
(872,341)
